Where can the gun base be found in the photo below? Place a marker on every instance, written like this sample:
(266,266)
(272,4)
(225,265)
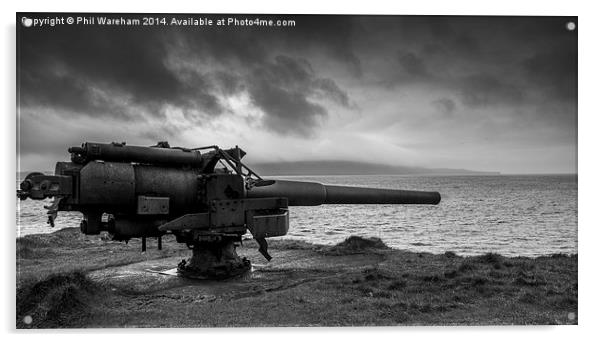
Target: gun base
(215,260)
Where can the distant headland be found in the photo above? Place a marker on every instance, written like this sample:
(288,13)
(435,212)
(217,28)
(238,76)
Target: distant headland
(335,167)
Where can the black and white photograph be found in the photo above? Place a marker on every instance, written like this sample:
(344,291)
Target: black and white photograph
(295,170)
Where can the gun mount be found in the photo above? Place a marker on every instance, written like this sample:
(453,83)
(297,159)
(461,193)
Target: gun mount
(140,192)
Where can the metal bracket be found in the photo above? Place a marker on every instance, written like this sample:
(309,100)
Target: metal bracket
(53,210)
(153,205)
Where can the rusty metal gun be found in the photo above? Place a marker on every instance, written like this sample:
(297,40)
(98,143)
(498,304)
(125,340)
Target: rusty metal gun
(140,192)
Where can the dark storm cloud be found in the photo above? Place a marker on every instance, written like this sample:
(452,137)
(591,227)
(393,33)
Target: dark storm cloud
(466,44)
(328,88)
(106,72)
(336,37)
(486,61)
(412,65)
(473,89)
(63,67)
(554,71)
(485,90)
(283,90)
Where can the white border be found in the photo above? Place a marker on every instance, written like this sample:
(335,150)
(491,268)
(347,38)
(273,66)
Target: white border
(589,175)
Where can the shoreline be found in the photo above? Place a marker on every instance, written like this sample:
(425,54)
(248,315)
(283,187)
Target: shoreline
(406,249)
(66,279)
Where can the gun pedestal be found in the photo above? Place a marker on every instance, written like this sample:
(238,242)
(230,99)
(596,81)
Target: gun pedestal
(214,260)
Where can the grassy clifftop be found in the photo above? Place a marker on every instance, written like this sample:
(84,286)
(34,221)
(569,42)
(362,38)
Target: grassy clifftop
(69,280)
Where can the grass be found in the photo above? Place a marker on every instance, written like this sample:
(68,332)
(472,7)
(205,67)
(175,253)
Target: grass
(356,244)
(474,290)
(58,300)
(374,285)
(67,250)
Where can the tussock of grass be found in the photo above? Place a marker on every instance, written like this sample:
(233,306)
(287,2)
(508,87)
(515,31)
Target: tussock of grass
(51,302)
(528,279)
(397,285)
(371,274)
(450,274)
(31,241)
(466,266)
(64,237)
(288,244)
(530,298)
(449,254)
(356,244)
(562,256)
(490,258)
(434,278)
(28,249)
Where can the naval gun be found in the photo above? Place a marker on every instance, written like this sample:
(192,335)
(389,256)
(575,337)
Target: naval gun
(207,197)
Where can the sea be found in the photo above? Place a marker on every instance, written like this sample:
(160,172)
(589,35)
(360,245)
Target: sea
(512,215)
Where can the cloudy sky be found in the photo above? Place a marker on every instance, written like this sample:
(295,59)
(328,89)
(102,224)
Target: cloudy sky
(480,93)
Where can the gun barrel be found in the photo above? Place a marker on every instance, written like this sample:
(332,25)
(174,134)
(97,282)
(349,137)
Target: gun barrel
(311,193)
